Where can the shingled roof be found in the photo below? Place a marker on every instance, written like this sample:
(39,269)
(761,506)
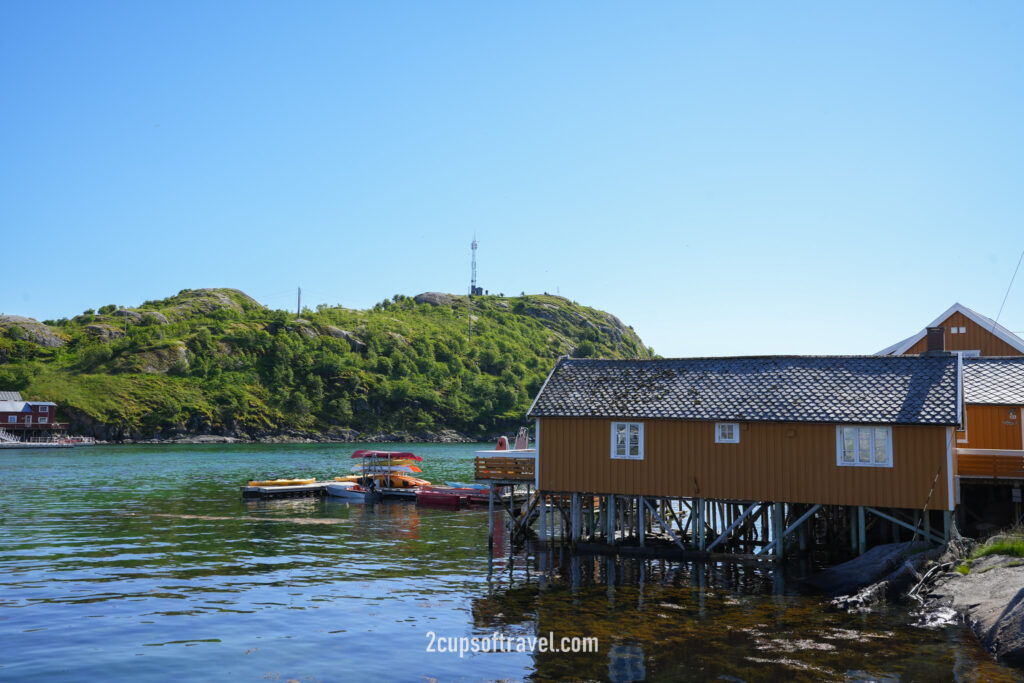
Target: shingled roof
(834,389)
(995,381)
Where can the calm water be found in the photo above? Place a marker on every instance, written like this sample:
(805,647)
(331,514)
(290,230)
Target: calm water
(144,563)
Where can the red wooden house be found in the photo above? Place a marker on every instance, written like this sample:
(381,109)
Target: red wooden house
(28,419)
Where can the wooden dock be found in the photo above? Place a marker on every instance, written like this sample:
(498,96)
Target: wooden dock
(316,490)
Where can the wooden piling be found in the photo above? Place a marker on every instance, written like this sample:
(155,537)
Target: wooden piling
(490,518)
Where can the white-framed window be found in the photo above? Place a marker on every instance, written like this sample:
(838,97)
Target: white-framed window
(12,418)
(28,419)
(44,409)
(44,420)
(727,432)
(628,440)
(863,446)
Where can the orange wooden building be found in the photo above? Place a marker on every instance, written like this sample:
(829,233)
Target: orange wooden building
(894,436)
(991,444)
(721,440)
(965,331)
(989,450)
(831,430)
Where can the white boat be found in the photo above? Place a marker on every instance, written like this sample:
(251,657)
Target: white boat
(350,491)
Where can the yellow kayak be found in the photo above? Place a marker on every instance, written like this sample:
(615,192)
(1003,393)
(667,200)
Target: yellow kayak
(283,482)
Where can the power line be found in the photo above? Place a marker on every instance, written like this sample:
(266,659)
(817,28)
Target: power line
(1008,287)
(995,322)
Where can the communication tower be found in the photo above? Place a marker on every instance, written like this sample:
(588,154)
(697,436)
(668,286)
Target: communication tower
(473,289)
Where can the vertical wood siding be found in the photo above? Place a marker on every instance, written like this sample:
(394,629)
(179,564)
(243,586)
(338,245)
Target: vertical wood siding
(976,337)
(785,462)
(992,427)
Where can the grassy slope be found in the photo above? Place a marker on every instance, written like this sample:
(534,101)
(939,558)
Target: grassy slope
(215,361)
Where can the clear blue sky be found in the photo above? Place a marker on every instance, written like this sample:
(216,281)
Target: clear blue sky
(735,178)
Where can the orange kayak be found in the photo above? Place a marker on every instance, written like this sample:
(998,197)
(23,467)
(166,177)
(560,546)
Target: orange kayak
(398,481)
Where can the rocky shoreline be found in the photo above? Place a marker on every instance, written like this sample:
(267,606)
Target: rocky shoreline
(986,593)
(338,436)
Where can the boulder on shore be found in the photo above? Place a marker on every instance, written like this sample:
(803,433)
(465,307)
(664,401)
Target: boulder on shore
(849,577)
(990,598)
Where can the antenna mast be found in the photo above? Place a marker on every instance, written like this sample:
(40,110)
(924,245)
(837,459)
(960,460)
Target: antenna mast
(472,282)
(298,305)
(472,287)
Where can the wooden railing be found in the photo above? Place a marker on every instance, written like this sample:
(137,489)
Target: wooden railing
(990,464)
(516,469)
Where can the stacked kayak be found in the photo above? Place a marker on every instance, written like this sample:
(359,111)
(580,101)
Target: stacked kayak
(377,472)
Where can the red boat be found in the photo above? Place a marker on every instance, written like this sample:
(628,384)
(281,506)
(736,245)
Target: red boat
(387,455)
(442,499)
(451,496)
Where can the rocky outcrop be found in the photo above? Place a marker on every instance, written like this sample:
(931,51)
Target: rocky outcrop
(304,328)
(191,302)
(990,599)
(986,593)
(850,577)
(354,343)
(33,330)
(434,299)
(103,332)
(155,317)
(154,361)
(133,316)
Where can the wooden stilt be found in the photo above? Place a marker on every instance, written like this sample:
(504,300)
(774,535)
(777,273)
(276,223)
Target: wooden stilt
(861,531)
(543,521)
(611,519)
(778,529)
(490,519)
(802,537)
(641,519)
(853,529)
(620,504)
(575,515)
(667,527)
(700,524)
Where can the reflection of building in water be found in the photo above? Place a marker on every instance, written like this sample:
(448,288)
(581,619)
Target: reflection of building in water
(395,520)
(626,664)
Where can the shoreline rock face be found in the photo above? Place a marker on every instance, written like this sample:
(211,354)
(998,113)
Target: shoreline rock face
(290,436)
(850,577)
(990,599)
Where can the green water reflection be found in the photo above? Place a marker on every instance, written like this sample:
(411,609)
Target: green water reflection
(144,563)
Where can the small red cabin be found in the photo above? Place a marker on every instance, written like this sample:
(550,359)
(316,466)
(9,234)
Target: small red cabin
(18,416)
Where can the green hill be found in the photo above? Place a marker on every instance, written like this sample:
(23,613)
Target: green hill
(215,361)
